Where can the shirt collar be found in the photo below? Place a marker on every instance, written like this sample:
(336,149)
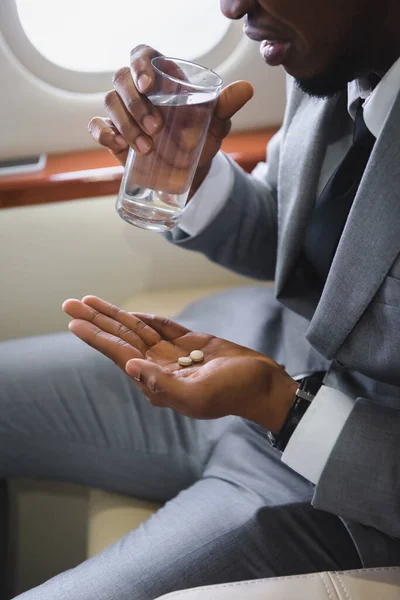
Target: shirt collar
(377,103)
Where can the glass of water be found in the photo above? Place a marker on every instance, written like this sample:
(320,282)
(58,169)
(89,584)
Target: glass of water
(155,187)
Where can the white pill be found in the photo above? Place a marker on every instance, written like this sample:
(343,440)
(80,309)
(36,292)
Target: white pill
(185,361)
(197,355)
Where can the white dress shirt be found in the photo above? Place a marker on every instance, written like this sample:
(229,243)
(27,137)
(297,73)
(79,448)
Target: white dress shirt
(313,440)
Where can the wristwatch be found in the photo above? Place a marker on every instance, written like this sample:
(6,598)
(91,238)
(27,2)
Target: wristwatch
(305,394)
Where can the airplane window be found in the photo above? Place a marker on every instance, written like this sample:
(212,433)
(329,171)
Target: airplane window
(101,38)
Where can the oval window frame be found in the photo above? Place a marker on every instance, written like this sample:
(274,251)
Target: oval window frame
(82,81)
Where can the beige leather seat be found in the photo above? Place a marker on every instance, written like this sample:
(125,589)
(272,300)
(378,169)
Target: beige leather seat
(367,584)
(111,516)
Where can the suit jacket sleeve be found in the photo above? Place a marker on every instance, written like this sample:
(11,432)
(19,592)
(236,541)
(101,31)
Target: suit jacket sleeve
(243,236)
(361,479)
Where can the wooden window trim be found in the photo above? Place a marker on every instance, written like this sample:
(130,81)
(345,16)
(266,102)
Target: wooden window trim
(92,173)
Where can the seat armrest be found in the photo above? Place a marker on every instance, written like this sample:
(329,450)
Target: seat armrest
(364,584)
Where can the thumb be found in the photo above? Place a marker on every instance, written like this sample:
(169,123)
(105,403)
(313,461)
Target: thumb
(151,376)
(233,98)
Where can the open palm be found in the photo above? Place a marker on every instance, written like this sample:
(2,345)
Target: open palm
(231,379)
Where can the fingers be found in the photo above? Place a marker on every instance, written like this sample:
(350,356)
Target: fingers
(149,336)
(104,132)
(126,124)
(168,330)
(141,69)
(78,310)
(233,98)
(133,120)
(143,72)
(161,387)
(169,389)
(131,84)
(111,346)
(136,104)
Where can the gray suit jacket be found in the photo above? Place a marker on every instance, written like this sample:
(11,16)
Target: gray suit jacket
(354,324)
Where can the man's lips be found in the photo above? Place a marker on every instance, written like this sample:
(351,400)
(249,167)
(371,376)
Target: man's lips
(274,52)
(274,47)
(260,36)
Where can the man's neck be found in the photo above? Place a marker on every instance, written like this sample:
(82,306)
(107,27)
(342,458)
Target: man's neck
(385,43)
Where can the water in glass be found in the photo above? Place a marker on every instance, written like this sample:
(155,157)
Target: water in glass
(156,187)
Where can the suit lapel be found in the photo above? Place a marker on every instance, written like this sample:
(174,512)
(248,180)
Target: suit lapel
(302,156)
(369,245)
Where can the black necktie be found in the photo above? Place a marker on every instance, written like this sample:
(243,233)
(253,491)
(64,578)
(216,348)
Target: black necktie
(332,208)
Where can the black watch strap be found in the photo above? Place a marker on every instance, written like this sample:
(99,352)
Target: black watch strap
(305,394)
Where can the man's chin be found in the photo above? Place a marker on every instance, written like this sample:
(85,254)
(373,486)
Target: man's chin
(330,82)
(320,89)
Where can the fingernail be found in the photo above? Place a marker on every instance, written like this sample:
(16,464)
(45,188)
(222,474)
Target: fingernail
(151,124)
(143,144)
(120,141)
(143,82)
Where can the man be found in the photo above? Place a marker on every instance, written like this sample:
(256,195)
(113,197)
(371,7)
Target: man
(324,220)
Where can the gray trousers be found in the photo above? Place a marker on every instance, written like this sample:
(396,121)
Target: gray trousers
(233,511)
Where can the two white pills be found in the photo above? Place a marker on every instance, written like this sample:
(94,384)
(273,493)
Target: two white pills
(195,357)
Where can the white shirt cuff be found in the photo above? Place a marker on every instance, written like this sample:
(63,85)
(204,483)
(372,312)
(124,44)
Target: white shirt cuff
(210,198)
(313,440)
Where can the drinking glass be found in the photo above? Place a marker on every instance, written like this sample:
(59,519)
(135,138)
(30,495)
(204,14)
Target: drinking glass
(155,187)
